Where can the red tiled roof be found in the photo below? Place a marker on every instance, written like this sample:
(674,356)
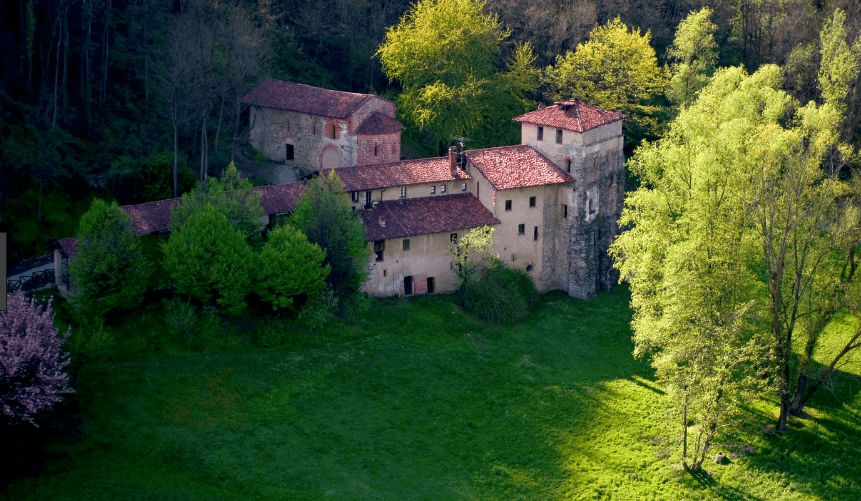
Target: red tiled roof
(305,99)
(151,217)
(377,123)
(280,198)
(508,167)
(422,216)
(403,173)
(570,115)
(69,246)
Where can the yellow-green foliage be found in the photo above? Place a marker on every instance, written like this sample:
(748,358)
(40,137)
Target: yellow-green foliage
(288,266)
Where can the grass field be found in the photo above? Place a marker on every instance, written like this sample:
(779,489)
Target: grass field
(419,401)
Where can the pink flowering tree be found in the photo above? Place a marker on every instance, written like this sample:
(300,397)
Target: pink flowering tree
(31,361)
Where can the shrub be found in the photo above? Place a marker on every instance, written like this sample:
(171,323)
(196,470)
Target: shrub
(155,181)
(196,327)
(289,266)
(31,360)
(500,294)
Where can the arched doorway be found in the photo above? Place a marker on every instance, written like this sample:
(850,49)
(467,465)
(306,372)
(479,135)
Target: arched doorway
(330,158)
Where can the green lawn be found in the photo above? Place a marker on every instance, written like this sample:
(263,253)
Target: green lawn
(419,401)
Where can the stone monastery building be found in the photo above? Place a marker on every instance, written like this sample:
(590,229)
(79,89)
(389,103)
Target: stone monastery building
(554,200)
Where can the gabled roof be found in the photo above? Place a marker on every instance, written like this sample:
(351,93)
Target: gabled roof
(280,198)
(403,173)
(151,217)
(521,166)
(422,216)
(377,123)
(570,115)
(306,99)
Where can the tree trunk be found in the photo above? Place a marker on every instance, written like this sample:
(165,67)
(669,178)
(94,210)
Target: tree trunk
(175,150)
(803,393)
(56,75)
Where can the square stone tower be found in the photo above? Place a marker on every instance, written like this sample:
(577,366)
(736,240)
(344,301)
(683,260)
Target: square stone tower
(585,142)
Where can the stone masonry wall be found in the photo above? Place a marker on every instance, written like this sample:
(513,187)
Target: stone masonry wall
(378,149)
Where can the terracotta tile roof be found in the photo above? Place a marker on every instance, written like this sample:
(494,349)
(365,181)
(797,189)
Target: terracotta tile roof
(377,123)
(151,217)
(403,173)
(421,216)
(305,99)
(570,115)
(280,198)
(69,246)
(520,166)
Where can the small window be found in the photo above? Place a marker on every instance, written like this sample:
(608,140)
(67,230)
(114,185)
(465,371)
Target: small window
(288,125)
(463,187)
(354,196)
(384,272)
(290,152)
(521,229)
(558,136)
(453,237)
(532,201)
(529,268)
(394,149)
(314,129)
(564,211)
(375,150)
(442,188)
(403,192)
(508,205)
(406,244)
(433,190)
(591,210)
(541,133)
(568,165)
(334,132)
(379,248)
(612,178)
(535,233)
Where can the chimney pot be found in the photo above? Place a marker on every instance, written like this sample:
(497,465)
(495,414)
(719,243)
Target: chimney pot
(452,160)
(383,222)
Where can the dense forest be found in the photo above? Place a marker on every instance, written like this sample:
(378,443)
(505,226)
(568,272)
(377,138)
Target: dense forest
(100,97)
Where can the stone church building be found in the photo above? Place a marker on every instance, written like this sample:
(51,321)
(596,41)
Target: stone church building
(554,200)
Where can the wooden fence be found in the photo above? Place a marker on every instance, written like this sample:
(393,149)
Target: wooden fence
(31,283)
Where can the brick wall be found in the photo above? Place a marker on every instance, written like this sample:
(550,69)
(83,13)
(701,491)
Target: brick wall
(378,149)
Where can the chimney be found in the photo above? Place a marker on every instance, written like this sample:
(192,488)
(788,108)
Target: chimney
(452,160)
(382,222)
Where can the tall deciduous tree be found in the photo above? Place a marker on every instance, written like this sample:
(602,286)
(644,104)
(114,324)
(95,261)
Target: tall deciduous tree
(472,254)
(209,260)
(442,52)
(737,238)
(615,69)
(232,195)
(289,266)
(693,55)
(324,215)
(31,360)
(110,271)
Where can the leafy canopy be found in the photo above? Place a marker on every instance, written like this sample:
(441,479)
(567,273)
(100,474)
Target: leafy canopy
(209,260)
(693,54)
(324,215)
(289,266)
(615,69)
(232,195)
(110,271)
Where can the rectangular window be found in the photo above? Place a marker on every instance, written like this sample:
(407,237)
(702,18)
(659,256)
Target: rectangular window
(403,191)
(508,205)
(565,211)
(442,188)
(541,133)
(532,201)
(568,165)
(334,132)
(384,272)
(379,248)
(433,190)
(354,196)
(375,150)
(521,229)
(463,187)
(314,129)
(406,244)
(535,233)
(367,199)
(558,136)
(290,152)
